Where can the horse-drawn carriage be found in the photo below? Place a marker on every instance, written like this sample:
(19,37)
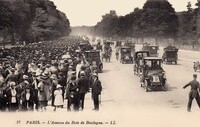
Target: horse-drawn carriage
(126,56)
(107,51)
(170,55)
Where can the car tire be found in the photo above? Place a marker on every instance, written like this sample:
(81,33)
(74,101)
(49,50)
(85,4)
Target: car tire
(146,86)
(165,87)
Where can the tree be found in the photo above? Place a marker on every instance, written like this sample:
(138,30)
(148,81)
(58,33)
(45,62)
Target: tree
(32,20)
(108,27)
(159,19)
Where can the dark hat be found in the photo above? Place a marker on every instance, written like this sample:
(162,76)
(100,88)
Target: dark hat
(28,86)
(12,69)
(195,75)
(73,78)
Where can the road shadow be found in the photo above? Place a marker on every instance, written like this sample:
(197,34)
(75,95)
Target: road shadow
(172,88)
(106,71)
(172,64)
(161,90)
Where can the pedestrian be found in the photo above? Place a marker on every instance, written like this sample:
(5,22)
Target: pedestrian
(3,98)
(96,91)
(72,95)
(27,98)
(34,81)
(53,88)
(58,102)
(11,76)
(83,86)
(194,93)
(62,81)
(12,95)
(20,89)
(42,95)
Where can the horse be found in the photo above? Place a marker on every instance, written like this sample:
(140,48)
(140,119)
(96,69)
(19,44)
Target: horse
(106,55)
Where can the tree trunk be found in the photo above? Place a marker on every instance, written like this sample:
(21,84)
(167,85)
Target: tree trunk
(156,39)
(142,39)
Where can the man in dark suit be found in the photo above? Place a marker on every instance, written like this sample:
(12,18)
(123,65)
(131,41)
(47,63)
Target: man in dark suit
(96,91)
(20,89)
(27,97)
(83,88)
(194,93)
(34,84)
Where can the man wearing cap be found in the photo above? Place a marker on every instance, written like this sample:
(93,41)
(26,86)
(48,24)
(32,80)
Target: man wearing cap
(194,93)
(96,91)
(83,86)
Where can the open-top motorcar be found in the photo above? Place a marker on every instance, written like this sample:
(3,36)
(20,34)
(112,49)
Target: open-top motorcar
(93,57)
(126,56)
(153,76)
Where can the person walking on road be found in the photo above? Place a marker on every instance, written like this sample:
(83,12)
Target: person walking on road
(194,93)
(83,86)
(96,91)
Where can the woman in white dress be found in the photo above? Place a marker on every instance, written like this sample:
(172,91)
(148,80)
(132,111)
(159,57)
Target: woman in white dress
(58,102)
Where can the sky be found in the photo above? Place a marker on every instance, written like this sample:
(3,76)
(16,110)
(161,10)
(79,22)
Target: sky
(89,12)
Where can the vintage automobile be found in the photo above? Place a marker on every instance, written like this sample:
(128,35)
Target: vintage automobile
(138,57)
(93,56)
(126,55)
(153,76)
(170,55)
(153,49)
(131,45)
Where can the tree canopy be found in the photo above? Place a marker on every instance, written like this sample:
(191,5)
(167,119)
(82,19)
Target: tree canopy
(155,19)
(32,20)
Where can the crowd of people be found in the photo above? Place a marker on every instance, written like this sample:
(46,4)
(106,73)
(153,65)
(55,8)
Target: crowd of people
(43,74)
